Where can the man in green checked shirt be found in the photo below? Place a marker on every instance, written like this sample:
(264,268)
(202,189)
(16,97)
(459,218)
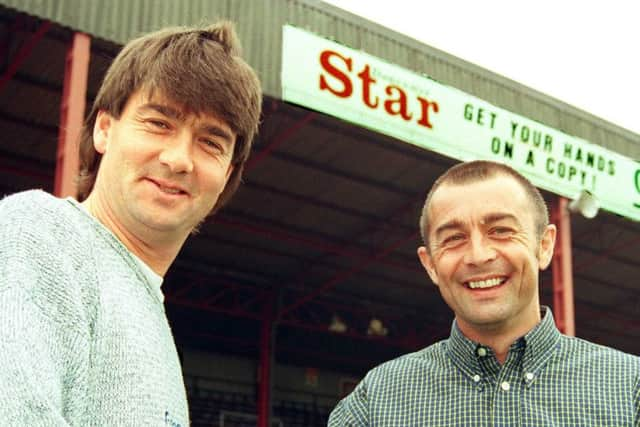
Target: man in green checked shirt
(487,236)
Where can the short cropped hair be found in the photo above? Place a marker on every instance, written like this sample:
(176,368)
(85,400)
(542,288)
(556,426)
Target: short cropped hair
(480,170)
(200,69)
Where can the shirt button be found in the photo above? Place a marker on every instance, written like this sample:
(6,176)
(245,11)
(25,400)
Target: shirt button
(476,378)
(528,376)
(482,352)
(505,386)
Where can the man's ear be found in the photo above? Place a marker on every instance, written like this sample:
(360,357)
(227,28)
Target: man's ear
(547,243)
(427,263)
(229,172)
(102,131)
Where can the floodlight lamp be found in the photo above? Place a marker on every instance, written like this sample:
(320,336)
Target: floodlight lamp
(586,204)
(376,327)
(337,325)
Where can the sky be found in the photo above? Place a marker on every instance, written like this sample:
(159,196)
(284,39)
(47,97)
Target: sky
(585,53)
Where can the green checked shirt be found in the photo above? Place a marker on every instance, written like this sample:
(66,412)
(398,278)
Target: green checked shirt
(548,379)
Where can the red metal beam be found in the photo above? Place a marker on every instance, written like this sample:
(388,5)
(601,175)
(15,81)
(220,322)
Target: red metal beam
(248,302)
(30,173)
(369,230)
(307,241)
(72,106)
(278,140)
(563,302)
(25,50)
(266,362)
(595,260)
(622,323)
(399,341)
(400,211)
(184,289)
(343,275)
(316,203)
(403,332)
(367,260)
(251,345)
(409,341)
(228,310)
(16,25)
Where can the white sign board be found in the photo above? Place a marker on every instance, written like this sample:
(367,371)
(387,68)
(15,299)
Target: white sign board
(331,78)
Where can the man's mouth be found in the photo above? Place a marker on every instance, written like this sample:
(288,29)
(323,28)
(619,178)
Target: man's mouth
(487,283)
(168,188)
(171,190)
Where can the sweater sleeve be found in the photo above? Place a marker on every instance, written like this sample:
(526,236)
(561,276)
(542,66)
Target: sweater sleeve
(43,341)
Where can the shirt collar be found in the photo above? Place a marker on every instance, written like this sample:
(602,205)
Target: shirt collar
(539,344)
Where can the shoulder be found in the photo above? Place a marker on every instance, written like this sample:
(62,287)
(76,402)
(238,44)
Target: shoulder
(41,235)
(590,355)
(33,208)
(27,199)
(35,216)
(420,364)
(47,260)
(381,386)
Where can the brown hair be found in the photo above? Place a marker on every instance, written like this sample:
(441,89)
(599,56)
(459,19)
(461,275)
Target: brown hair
(479,170)
(199,69)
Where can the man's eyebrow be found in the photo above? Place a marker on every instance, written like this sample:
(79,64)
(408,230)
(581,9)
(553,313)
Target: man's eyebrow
(489,218)
(494,217)
(454,224)
(218,131)
(165,110)
(176,114)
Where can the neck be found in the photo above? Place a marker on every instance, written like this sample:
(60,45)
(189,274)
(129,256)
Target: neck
(499,337)
(154,250)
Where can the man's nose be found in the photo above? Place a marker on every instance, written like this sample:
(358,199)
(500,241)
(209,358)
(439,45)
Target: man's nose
(178,154)
(479,250)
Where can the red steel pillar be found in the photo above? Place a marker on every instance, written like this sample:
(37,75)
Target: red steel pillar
(72,114)
(562,269)
(266,358)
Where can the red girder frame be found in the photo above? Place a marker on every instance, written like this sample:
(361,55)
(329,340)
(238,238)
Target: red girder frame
(249,302)
(25,50)
(76,72)
(563,303)
(72,110)
(268,317)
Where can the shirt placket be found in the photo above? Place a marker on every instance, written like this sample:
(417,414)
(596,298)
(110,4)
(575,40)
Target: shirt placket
(505,385)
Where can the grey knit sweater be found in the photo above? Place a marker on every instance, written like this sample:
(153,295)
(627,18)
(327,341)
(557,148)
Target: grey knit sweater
(84,339)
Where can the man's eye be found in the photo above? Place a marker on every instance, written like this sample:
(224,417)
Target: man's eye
(159,124)
(455,238)
(501,231)
(212,145)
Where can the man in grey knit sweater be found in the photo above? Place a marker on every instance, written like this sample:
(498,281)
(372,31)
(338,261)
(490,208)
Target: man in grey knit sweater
(85,339)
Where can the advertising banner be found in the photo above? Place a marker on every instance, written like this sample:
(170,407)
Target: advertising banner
(365,90)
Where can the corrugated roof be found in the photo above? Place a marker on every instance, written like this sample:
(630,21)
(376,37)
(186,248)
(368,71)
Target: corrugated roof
(259,25)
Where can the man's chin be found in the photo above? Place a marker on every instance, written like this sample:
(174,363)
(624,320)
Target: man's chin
(163,224)
(486,319)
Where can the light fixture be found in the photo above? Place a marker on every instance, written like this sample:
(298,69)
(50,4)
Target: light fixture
(337,325)
(376,328)
(585,203)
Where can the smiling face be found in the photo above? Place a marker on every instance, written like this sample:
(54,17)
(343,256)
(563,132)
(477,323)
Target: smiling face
(484,254)
(162,169)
